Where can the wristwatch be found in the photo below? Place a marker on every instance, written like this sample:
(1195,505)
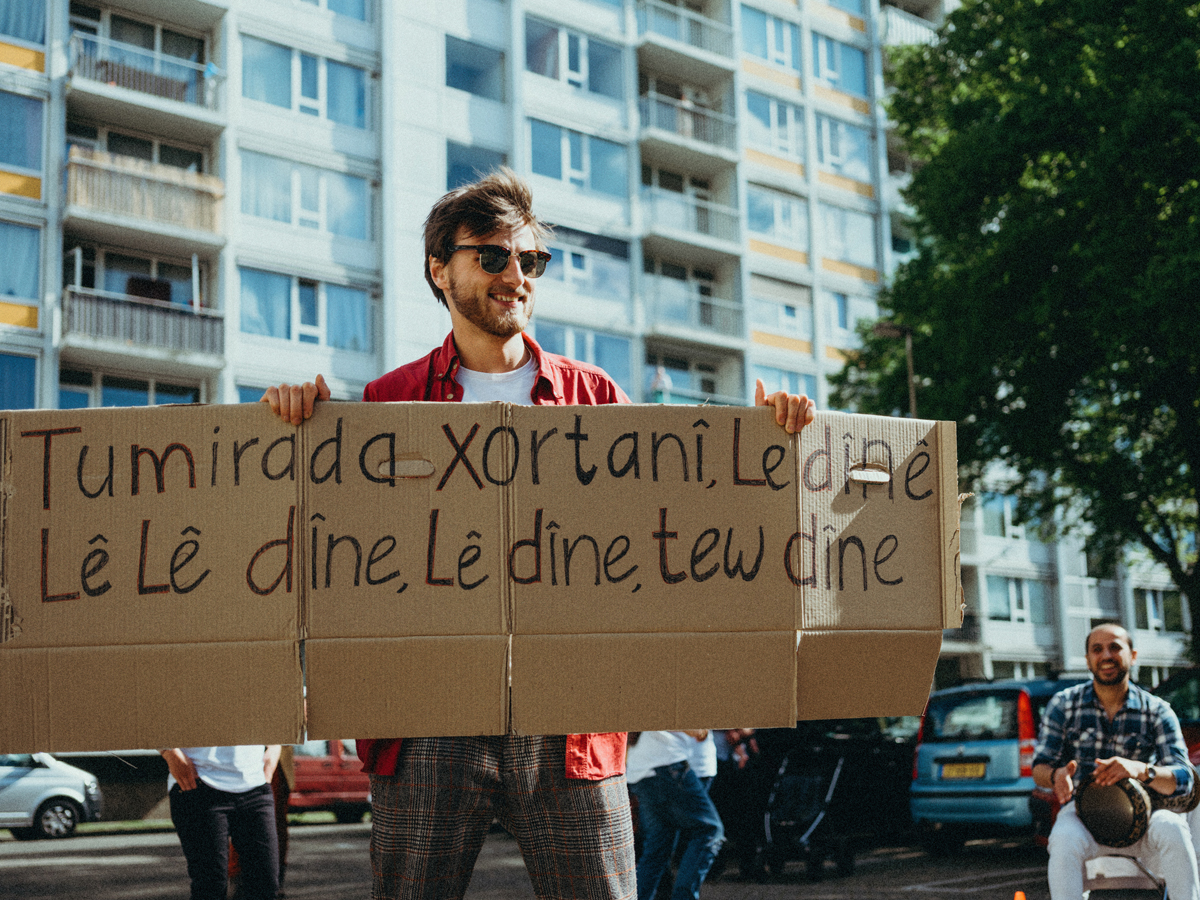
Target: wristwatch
(1151,774)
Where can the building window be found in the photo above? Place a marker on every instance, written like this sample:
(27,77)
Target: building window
(775,126)
(474,68)
(467,164)
(20,132)
(351,9)
(771,39)
(80,389)
(848,236)
(671,378)
(299,194)
(579,159)
(783,380)
(21,250)
(281,76)
(839,66)
(780,217)
(854,7)
(147,149)
(589,264)
(18,381)
(844,149)
(305,311)
(1018,600)
(610,352)
(24,20)
(1000,515)
(1158,610)
(575,58)
(781,307)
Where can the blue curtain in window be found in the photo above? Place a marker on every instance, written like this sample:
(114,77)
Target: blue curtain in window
(347,205)
(266,72)
(266,303)
(18,380)
(20,131)
(20,249)
(266,187)
(24,20)
(346,94)
(348,313)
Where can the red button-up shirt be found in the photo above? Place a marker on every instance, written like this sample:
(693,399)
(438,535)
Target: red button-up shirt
(559,382)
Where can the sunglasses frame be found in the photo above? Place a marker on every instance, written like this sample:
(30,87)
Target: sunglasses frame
(540,258)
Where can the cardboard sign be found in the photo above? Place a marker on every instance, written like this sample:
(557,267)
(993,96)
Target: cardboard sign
(198,575)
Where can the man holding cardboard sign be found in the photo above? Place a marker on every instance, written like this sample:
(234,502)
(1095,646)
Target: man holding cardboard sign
(433,799)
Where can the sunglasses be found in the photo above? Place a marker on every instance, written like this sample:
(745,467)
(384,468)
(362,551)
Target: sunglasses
(493,258)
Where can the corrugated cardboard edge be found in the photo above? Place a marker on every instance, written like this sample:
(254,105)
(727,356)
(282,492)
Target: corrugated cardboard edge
(8,624)
(953,603)
(861,674)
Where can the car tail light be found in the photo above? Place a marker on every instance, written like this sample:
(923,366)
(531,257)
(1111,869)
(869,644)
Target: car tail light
(917,747)
(1026,734)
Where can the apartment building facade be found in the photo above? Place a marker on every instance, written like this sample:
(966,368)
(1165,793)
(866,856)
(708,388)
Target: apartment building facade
(199,198)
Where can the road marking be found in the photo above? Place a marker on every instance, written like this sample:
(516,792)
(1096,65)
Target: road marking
(45,861)
(985,882)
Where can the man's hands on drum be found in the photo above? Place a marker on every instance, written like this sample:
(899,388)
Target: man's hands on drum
(1117,768)
(295,402)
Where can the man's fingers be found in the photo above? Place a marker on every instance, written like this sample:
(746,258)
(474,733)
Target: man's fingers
(760,392)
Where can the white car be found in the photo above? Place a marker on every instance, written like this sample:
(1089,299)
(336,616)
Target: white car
(41,797)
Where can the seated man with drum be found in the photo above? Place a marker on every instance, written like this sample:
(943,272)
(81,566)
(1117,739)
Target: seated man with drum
(1115,758)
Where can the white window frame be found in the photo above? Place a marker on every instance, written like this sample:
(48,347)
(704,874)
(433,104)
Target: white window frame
(803,327)
(318,108)
(797,210)
(576,78)
(576,177)
(830,132)
(786,127)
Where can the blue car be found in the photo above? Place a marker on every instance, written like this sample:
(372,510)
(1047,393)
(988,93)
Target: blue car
(973,766)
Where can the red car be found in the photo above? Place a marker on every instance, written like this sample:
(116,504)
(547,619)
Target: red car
(329,776)
(1182,691)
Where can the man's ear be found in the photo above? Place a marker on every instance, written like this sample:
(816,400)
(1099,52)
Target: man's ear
(437,271)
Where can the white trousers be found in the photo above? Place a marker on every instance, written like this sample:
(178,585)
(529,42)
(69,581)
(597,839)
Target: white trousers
(1166,850)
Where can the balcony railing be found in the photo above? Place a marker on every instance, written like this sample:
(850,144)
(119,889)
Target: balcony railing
(686,120)
(675,302)
(123,186)
(145,71)
(689,397)
(900,28)
(679,212)
(142,322)
(685,26)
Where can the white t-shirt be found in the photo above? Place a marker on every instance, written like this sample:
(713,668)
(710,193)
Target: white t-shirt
(234,770)
(703,757)
(654,749)
(509,387)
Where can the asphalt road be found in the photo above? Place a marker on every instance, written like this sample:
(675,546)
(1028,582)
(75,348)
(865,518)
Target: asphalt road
(331,861)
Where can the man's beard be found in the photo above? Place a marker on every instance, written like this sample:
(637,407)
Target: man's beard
(1117,675)
(479,312)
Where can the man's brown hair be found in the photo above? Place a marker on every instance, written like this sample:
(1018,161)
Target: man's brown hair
(499,200)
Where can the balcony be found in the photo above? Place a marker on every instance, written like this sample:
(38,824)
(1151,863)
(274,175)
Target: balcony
(106,329)
(674,306)
(131,203)
(687,44)
(688,229)
(901,28)
(968,633)
(685,136)
(122,84)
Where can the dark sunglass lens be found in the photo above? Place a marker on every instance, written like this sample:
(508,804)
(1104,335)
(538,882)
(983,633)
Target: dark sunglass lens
(493,260)
(532,263)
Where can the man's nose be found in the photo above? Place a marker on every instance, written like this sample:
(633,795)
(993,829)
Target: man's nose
(512,273)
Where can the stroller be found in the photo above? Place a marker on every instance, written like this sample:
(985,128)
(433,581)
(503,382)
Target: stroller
(826,799)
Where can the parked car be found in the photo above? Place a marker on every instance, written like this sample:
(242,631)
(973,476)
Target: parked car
(329,776)
(1182,691)
(41,797)
(973,766)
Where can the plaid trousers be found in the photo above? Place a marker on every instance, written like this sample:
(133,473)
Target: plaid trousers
(429,820)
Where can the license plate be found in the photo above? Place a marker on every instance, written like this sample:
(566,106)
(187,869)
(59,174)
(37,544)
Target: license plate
(964,770)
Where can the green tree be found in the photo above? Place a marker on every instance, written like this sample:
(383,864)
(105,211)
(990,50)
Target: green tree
(1055,298)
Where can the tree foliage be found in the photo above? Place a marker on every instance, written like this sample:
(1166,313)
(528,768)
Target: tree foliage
(1055,298)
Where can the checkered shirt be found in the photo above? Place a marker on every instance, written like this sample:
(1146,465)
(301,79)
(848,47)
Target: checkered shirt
(1075,727)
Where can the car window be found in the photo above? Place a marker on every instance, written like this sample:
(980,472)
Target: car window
(900,728)
(972,717)
(17,760)
(313,748)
